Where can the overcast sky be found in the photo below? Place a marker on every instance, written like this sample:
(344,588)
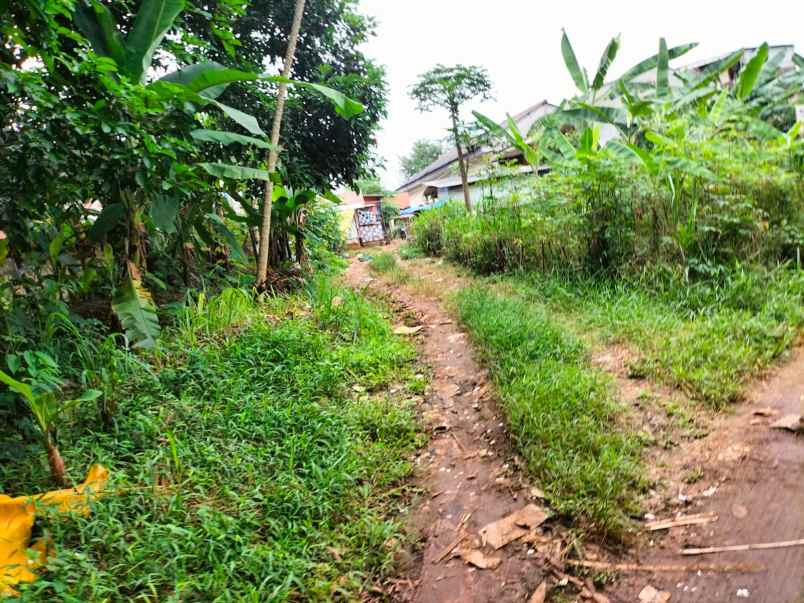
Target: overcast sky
(518,41)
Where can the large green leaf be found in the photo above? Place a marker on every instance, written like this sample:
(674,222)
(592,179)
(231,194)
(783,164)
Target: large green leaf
(663,70)
(571,61)
(154,19)
(227,138)
(653,61)
(249,122)
(750,73)
(609,115)
(798,60)
(235,172)
(493,128)
(231,240)
(633,152)
(136,311)
(110,217)
(164,210)
(208,79)
(713,72)
(18,387)
(605,63)
(528,152)
(344,106)
(97,23)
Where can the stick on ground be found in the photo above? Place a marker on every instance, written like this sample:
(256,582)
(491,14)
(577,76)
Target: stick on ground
(744,547)
(742,568)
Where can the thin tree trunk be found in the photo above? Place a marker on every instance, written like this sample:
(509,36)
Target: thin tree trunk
(461,164)
(273,156)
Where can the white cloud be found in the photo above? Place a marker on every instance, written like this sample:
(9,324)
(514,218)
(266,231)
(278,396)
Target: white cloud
(518,41)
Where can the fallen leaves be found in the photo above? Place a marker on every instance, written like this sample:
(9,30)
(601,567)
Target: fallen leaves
(499,533)
(739,511)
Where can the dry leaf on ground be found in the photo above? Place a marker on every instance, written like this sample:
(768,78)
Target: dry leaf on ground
(739,511)
(540,594)
(403,330)
(479,559)
(499,533)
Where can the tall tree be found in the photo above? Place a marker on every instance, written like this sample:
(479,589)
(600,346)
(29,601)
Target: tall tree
(449,88)
(273,154)
(423,153)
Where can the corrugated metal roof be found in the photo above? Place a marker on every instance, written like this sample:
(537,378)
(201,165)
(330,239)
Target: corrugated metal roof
(524,121)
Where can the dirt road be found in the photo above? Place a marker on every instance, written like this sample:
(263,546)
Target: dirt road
(750,475)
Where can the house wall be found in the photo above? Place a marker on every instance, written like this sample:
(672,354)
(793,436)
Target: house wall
(480,191)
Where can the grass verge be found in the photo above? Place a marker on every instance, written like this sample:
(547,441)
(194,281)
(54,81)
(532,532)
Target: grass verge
(254,458)
(559,410)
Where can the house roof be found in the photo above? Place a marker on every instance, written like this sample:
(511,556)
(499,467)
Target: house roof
(524,121)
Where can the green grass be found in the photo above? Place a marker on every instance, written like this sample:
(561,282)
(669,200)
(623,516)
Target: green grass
(559,410)
(253,459)
(385,263)
(708,342)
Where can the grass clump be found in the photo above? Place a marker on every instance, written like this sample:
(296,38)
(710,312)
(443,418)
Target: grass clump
(559,410)
(385,263)
(250,460)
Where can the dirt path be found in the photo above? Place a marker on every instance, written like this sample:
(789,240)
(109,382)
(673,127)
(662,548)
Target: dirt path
(752,478)
(743,471)
(468,471)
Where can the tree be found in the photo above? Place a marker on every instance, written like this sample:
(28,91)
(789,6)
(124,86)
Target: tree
(273,156)
(423,153)
(370,186)
(318,150)
(449,88)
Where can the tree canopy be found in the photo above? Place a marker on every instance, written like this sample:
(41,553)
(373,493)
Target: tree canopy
(423,153)
(449,88)
(320,150)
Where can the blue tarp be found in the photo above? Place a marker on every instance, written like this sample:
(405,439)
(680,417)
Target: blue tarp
(415,209)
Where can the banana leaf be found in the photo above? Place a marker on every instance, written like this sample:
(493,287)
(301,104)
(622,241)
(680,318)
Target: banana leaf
(571,61)
(605,63)
(750,73)
(227,138)
(236,172)
(154,19)
(136,311)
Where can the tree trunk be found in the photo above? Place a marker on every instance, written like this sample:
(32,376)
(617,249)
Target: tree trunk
(461,163)
(57,470)
(273,155)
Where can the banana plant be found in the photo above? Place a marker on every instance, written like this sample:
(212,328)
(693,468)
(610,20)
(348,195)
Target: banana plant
(198,86)
(47,410)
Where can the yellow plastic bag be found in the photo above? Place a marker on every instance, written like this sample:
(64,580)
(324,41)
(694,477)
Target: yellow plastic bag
(18,558)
